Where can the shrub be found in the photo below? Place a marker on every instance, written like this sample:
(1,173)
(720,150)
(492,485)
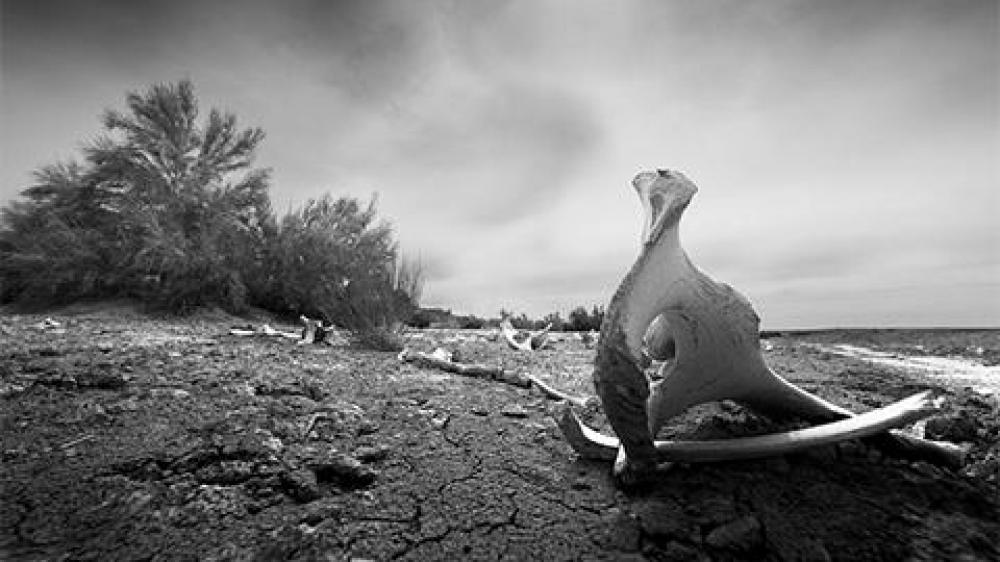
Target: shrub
(170,211)
(420,319)
(163,209)
(471,322)
(332,260)
(582,321)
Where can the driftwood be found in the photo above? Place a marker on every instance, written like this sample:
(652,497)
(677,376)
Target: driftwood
(441,359)
(313,331)
(707,334)
(264,330)
(438,360)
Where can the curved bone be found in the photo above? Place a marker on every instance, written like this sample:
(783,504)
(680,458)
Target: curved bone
(524,340)
(712,330)
(599,446)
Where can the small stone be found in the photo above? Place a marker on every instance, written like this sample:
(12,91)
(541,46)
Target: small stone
(319,511)
(301,485)
(742,535)
(440,421)
(128,405)
(958,428)
(244,389)
(514,411)
(343,469)
(367,427)
(371,454)
(177,393)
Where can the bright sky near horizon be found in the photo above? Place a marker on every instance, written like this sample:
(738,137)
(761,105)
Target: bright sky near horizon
(846,152)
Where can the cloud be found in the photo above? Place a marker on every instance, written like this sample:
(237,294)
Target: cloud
(494,156)
(844,150)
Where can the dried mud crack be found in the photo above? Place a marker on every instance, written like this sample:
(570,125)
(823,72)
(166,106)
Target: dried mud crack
(135,438)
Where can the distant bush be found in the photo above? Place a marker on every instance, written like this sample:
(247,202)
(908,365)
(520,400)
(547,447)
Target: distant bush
(582,321)
(519,321)
(471,322)
(419,319)
(554,320)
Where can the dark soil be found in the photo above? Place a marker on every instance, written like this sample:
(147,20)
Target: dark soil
(130,438)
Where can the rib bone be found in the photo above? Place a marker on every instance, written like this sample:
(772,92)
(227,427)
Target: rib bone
(908,410)
(710,334)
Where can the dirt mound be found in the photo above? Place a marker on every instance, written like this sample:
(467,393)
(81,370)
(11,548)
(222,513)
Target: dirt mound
(126,437)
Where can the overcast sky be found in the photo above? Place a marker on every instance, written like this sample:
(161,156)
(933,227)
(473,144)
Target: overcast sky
(846,152)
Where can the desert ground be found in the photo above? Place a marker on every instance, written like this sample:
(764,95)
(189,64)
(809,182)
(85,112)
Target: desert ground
(130,437)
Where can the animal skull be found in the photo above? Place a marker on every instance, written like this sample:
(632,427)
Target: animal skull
(667,309)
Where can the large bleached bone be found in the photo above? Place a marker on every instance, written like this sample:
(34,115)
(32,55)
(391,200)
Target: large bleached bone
(708,333)
(524,340)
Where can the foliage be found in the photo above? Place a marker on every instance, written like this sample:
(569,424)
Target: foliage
(471,322)
(162,209)
(555,320)
(331,259)
(582,321)
(420,319)
(170,210)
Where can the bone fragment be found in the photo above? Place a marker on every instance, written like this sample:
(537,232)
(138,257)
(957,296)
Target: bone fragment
(313,331)
(666,308)
(264,330)
(524,340)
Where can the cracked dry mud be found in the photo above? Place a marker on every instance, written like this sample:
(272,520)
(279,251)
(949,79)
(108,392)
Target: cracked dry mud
(128,438)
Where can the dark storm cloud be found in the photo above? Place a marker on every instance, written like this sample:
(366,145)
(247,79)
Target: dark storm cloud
(48,35)
(370,49)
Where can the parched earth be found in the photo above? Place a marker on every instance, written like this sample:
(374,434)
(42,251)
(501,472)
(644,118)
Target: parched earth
(131,438)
